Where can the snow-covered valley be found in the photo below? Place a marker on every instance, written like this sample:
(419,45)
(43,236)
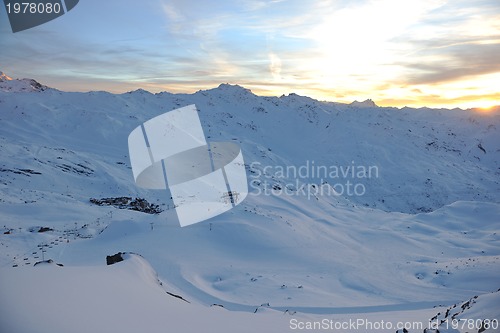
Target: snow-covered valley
(410,229)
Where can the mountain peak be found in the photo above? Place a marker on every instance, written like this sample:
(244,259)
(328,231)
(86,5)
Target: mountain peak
(19,85)
(368,103)
(226,87)
(139,91)
(227,90)
(4,77)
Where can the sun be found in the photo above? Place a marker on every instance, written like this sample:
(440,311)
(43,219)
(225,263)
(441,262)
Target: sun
(485,109)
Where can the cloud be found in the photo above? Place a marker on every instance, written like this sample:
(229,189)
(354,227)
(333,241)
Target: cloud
(456,41)
(275,66)
(455,62)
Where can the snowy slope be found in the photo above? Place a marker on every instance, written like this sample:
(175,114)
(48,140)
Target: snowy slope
(424,233)
(127,297)
(43,301)
(479,314)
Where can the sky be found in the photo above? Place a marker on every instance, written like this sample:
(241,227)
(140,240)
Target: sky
(416,53)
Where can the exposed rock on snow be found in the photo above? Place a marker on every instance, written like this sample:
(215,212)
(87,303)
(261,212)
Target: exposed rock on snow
(138,204)
(49,262)
(478,314)
(113,259)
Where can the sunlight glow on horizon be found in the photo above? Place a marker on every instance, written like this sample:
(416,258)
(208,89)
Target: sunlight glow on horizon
(416,53)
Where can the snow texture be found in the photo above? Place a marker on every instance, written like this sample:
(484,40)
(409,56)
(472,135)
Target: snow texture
(422,237)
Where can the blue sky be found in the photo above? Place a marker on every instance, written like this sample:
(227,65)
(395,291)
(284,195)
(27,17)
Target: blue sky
(412,52)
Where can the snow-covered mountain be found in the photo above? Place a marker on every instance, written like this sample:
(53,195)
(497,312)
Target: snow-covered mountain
(19,85)
(354,210)
(365,104)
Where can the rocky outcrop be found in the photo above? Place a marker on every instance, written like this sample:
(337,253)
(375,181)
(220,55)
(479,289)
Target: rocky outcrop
(110,260)
(138,204)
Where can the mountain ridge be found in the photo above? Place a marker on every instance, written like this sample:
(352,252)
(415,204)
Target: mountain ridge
(223,87)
